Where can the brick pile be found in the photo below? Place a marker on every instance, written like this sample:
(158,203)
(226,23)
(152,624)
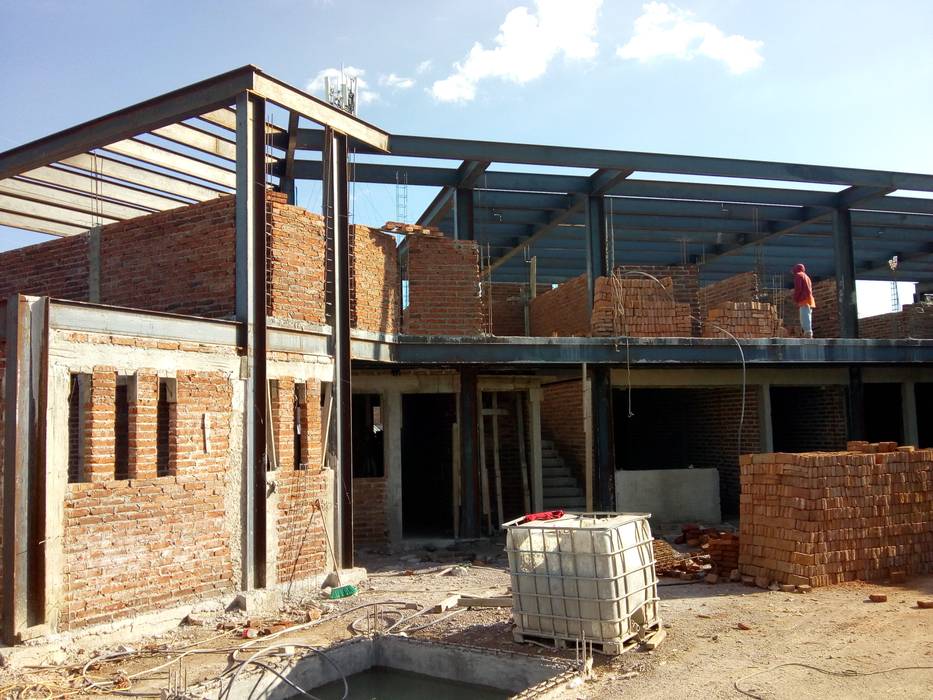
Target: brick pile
(723,551)
(743,319)
(633,306)
(740,287)
(822,518)
(685,284)
(443,288)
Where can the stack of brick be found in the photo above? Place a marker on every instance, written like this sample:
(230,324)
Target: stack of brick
(685,285)
(723,551)
(743,319)
(633,306)
(822,518)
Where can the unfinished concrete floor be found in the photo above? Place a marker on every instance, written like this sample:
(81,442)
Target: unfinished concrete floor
(705,652)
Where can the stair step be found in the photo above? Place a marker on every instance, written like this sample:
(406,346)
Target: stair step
(556,473)
(552,462)
(563,492)
(547,444)
(558,481)
(564,503)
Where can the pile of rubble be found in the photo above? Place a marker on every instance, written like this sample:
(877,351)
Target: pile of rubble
(716,557)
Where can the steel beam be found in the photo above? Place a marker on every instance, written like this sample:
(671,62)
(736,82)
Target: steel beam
(96,188)
(855,405)
(170,160)
(287,179)
(597,244)
(37,192)
(464,202)
(125,123)
(30,223)
(50,212)
(102,166)
(199,140)
(251,313)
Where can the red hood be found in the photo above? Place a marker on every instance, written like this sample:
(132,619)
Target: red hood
(799,268)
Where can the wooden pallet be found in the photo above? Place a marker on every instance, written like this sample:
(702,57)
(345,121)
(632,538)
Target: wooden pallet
(651,636)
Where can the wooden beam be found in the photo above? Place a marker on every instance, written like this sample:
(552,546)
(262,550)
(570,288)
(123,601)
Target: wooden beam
(164,158)
(97,187)
(118,170)
(40,210)
(69,200)
(29,223)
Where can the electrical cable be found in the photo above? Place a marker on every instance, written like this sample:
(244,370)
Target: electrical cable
(848,673)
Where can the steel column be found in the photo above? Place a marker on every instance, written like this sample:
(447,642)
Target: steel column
(855,405)
(469,468)
(845,273)
(464,215)
(251,313)
(338,223)
(597,243)
(603,436)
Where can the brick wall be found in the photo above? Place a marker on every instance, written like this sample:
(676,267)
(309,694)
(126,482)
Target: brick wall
(370,522)
(443,288)
(504,303)
(562,311)
(741,287)
(638,307)
(825,315)
(376,284)
(912,321)
(300,523)
(57,268)
(136,545)
(748,319)
(513,500)
(295,262)
(181,260)
(562,422)
(808,418)
(823,518)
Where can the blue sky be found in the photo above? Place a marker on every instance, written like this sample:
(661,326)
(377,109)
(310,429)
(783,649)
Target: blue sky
(828,82)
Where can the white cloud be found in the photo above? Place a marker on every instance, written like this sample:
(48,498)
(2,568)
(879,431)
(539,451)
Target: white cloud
(526,44)
(423,67)
(396,82)
(364,94)
(665,30)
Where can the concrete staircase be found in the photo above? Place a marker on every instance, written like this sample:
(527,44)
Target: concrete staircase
(561,489)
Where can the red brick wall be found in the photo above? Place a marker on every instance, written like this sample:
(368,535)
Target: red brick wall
(808,418)
(561,311)
(443,291)
(181,260)
(505,307)
(741,287)
(56,268)
(912,321)
(302,545)
(370,524)
(375,281)
(137,545)
(295,265)
(513,500)
(562,422)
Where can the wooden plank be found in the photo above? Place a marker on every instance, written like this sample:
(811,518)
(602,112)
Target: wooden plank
(503,601)
(653,640)
(40,210)
(164,158)
(522,458)
(483,476)
(97,187)
(588,437)
(199,140)
(118,170)
(70,200)
(497,470)
(29,223)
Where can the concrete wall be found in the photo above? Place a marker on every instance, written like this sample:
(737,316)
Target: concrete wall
(670,495)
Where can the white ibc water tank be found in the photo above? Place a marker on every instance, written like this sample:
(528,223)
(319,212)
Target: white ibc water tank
(583,576)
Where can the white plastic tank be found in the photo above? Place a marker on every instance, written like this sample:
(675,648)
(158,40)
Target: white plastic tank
(583,576)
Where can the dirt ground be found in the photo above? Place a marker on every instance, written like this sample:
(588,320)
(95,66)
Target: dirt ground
(705,653)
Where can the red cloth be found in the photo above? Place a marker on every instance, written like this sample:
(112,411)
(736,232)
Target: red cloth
(803,287)
(546,515)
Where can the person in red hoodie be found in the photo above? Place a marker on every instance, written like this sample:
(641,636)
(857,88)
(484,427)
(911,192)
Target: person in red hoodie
(803,297)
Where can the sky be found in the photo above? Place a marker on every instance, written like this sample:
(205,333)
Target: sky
(847,83)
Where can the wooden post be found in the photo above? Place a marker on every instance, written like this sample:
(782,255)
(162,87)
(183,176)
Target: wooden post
(537,476)
(522,458)
(483,476)
(588,436)
(495,456)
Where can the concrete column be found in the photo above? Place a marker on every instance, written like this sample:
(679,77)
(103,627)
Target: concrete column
(603,437)
(468,420)
(909,414)
(93,265)
(537,468)
(765,427)
(24,468)
(392,455)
